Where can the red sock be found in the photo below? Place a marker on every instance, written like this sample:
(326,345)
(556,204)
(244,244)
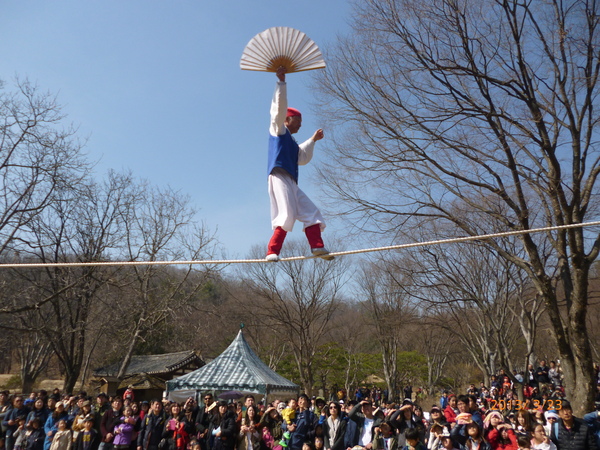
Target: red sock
(313,234)
(276,241)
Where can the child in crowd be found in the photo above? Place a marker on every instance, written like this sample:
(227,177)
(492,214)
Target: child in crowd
(412,440)
(289,415)
(20,434)
(524,442)
(384,438)
(319,444)
(88,438)
(124,430)
(36,437)
(540,440)
(63,439)
(446,441)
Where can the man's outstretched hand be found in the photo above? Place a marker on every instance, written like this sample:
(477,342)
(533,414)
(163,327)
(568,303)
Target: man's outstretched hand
(318,135)
(281,73)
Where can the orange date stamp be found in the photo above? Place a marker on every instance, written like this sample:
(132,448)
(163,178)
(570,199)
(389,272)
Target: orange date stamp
(516,405)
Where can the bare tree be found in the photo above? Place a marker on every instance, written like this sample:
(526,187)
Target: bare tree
(355,337)
(437,344)
(38,157)
(482,115)
(390,310)
(161,227)
(34,352)
(82,225)
(475,294)
(301,297)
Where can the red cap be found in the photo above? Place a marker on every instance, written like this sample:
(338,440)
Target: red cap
(293,112)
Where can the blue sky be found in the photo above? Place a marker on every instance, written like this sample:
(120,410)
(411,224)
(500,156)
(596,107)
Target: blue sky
(155,87)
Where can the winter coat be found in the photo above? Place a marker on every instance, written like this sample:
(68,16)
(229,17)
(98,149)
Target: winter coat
(35,440)
(494,438)
(227,426)
(305,429)
(62,440)
(340,432)
(580,437)
(93,439)
(153,427)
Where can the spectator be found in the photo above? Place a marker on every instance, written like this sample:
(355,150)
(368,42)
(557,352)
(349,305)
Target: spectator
(570,432)
(555,375)
(542,374)
(334,427)
(224,428)
(271,428)
(204,419)
(152,428)
(39,411)
(352,430)
(530,377)
(51,426)
(62,439)
(110,419)
(123,431)
(404,420)
(129,394)
(593,421)
(491,422)
(523,425)
(88,438)
(249,436)
(451,410)
(495,383)
(102,405)
(540,440)
(436,418)
(362,415)
(551,418)
(472,438)
(412,440)
(385,438)
(444,400)
(474,410)
(503,437)
(10,420)
(20,435)
(472,390)
(178,429)
(443,441)
(302,429)
(36,437)
(79,421)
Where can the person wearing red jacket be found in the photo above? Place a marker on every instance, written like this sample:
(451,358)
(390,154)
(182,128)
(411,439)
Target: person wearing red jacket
(451,410)
(503,438)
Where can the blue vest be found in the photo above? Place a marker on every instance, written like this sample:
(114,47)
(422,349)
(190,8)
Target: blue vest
(283,152)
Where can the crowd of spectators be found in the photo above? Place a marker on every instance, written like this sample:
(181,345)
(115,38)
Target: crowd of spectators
(482,418)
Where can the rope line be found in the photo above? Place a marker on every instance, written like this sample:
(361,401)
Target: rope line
(299,258)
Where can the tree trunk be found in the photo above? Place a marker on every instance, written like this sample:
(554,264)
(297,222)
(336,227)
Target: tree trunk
(127,357)
(27,383)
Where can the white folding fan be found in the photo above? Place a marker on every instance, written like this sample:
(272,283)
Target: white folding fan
(281,46)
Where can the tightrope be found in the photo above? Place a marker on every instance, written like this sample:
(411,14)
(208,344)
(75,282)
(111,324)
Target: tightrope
(299,258)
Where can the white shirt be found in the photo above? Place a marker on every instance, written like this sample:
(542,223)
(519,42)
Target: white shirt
(365,433)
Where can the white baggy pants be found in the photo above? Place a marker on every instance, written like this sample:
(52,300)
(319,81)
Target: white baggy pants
(289,203)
